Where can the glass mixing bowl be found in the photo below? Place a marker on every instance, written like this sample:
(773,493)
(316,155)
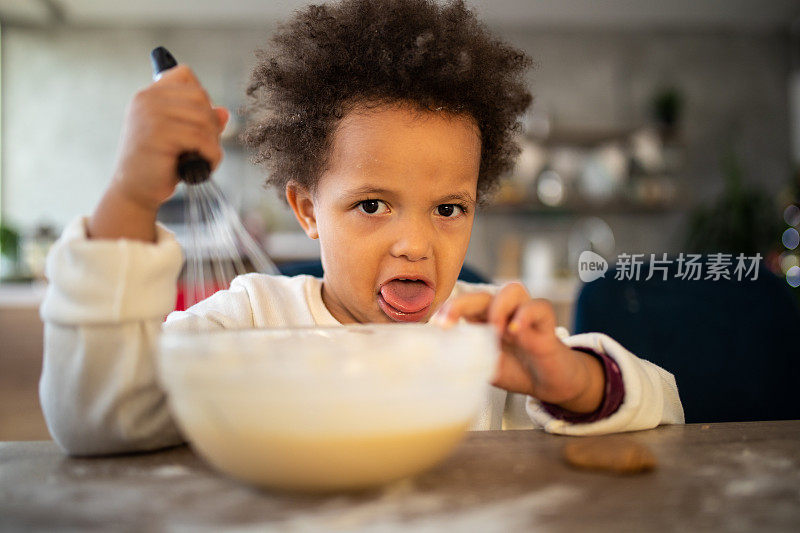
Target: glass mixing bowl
(331,408)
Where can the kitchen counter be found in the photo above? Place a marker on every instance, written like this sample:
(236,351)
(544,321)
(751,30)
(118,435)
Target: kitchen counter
(712,477)
(21,332)
(22,295)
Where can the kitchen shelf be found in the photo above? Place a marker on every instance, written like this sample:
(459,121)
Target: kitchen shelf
(592,138)
(620,207)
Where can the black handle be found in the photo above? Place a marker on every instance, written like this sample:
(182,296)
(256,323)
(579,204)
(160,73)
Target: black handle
(192,167)
(162,60)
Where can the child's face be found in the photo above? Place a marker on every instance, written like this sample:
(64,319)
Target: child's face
(389,206)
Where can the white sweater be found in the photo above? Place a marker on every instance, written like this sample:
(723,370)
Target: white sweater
(105,307)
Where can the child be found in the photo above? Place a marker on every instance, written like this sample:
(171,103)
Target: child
(384,123)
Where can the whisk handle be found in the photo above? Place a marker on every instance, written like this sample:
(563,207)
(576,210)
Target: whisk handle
(162,60)
(192,167)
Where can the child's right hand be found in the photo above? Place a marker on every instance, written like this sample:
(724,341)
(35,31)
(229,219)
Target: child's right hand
(171,116)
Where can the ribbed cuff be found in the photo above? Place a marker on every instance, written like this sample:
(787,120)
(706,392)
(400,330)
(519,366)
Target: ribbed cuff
(613,394)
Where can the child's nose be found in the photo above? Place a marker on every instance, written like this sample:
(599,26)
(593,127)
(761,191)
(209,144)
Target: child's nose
(413,240)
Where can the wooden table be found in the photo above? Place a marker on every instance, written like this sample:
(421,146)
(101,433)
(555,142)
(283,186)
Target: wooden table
(716,477)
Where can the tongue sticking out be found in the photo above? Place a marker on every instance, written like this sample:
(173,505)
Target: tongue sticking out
(407,296)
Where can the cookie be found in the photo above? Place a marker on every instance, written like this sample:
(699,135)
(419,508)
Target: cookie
(620,455)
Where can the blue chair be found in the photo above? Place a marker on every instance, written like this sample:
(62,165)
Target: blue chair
(314,268)
(734,347)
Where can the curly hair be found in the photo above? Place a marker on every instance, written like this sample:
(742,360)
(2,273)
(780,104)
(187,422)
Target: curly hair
(329,58)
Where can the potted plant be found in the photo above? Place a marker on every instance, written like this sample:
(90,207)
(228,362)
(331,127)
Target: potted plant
(9,251)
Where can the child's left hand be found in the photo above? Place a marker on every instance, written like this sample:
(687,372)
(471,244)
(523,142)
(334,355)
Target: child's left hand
(533,360)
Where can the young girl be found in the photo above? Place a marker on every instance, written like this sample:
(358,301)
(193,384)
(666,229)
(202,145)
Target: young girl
(384,123)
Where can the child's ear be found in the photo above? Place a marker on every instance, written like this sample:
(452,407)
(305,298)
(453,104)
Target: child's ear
(302,203)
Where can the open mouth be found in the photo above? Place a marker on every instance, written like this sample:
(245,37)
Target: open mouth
(406,299)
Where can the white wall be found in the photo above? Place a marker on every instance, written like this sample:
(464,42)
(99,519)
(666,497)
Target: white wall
(65,90)
(64,97)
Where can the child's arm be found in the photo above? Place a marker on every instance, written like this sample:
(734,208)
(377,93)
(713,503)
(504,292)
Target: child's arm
(103,314)
(569,391)
(171,116)
(112,279)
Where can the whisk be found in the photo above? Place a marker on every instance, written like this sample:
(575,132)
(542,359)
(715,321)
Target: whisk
(218,247)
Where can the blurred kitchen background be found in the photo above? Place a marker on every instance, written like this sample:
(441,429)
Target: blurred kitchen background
(658,126)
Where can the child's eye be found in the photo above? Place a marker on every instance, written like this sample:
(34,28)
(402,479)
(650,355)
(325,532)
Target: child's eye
(372,207)
(449,210)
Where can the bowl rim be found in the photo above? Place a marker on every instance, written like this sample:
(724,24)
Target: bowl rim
(170,341)
(274,330)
